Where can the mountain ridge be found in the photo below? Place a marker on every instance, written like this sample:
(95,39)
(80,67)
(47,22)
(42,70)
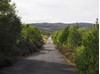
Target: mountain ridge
(52,27)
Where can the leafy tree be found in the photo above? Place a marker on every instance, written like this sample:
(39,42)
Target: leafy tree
(64,35)
(88,62)
(10,27)
(85,43)
(30,40)
(73,37)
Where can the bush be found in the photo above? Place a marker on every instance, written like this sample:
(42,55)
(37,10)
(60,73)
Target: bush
(10,28)
(88,61)
(81,46)
(30,40)
(15,39)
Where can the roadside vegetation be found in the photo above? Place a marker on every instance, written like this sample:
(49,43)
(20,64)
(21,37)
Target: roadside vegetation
(80,46)
(45,36)
(16,39)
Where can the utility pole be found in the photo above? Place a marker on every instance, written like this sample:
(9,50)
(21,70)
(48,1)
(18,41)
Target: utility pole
(97,21)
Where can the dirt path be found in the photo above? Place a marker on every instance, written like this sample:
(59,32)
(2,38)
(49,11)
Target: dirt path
(47,61)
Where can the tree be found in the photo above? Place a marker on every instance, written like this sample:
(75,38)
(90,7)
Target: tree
(30,40)
(64,35)
(10,28)
(73,37)
(88,61)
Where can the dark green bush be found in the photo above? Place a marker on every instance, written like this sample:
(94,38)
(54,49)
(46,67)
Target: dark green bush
(15,39)
(10,28)
(30,40)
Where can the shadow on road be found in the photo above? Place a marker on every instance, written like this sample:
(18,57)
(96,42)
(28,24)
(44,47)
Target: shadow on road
(26,66)
(47,61)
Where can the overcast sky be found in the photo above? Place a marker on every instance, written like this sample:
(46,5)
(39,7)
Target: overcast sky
(67,11)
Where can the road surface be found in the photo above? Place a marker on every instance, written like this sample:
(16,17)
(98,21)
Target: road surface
(47,61)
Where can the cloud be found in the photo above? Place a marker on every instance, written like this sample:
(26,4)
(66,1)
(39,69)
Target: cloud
(58,10)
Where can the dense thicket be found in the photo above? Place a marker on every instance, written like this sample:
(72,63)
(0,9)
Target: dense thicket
(81,46)
(10,28)
(30,40)
(15,39)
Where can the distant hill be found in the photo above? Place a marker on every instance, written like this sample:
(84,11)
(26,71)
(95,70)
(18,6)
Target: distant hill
(51,27)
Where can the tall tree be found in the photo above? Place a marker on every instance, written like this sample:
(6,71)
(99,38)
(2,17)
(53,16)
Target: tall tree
(10,27)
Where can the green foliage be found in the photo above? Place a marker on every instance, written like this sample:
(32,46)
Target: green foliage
(30,40)
(69,37)
(77,52)
(88,61)
(45,37)
(73,37)
(81,46)
(15,39)
(64,35)
(6,7)
(10,28)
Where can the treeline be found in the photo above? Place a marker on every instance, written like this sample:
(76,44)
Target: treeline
(80,46)
(15,39)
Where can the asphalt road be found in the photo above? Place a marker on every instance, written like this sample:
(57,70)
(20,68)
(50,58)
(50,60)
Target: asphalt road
(47,61)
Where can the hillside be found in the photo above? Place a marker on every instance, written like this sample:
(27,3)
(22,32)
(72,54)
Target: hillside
(51,27)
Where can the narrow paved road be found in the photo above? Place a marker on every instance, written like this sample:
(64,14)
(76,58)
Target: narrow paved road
(47,61)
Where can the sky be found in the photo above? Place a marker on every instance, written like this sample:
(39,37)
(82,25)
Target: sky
(52,11)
